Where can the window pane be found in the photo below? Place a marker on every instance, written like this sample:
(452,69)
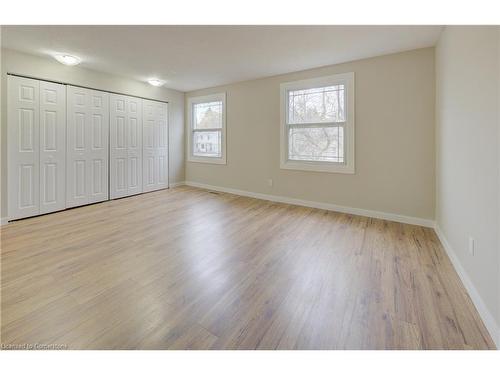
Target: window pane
(207,144)
(316,144)
(207,115)
(323,104)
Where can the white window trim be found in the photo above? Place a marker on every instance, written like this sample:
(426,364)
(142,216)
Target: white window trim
(205,99)
(346,79)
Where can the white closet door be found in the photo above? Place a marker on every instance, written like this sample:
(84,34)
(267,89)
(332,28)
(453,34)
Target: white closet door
(162,150)
(23,124)
(52,147)
(155,145)
(98,176)
(118,147)
(149,145)
(76,146)
(134,146)
(125,146)
(87,146)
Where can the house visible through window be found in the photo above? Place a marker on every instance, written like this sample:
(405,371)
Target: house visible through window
(318,124)
(207,125)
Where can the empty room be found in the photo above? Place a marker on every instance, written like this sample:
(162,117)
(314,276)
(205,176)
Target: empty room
(282,187)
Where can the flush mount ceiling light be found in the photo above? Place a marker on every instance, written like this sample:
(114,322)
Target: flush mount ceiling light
(155,82)
(68,59)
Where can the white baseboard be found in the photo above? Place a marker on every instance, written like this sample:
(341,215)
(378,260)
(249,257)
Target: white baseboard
(488,318)
(175,184)
(324,206)
(3,221)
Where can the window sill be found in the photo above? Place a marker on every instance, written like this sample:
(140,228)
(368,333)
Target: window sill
(220,161)
(313,167)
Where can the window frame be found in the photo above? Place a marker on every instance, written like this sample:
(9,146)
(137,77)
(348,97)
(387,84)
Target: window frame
(200,100)
(346,79)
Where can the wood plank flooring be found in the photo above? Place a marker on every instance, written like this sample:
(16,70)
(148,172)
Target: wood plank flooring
(188,269)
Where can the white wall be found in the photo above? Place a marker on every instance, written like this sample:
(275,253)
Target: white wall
(48,68)
(395,161)
(467,160)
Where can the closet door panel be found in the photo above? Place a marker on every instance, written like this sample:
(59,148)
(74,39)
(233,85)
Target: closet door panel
(52,147)
(148,151)
(87,146)
(134,152)
(118,146)
(98,155)
(121,178)
(125,146)
(155,145)
(23,122)
(149,171)
(162,146)
(76,146)
(162,171)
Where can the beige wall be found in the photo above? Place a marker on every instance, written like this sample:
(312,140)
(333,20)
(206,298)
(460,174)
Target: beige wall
(47,68)
(395,161)
(498,156)
(467,126)
(1,137)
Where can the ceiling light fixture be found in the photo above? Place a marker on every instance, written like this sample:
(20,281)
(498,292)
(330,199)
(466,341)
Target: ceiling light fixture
(68,59)
(155,82)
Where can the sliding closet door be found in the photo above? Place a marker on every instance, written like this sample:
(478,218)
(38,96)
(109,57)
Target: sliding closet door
(134,170)
(125,146)
(87,146)
(155,145)
(52,147)
(117,147)
(23,128)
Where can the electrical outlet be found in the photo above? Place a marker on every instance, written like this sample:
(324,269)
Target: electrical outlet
(270,182)
(472,246)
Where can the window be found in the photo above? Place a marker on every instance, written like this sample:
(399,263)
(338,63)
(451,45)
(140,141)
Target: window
(207,128)
(317,124)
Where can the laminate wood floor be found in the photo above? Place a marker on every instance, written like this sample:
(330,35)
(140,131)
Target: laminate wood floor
(188,269)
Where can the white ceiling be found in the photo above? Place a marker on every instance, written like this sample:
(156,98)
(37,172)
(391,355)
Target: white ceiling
(194,57)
